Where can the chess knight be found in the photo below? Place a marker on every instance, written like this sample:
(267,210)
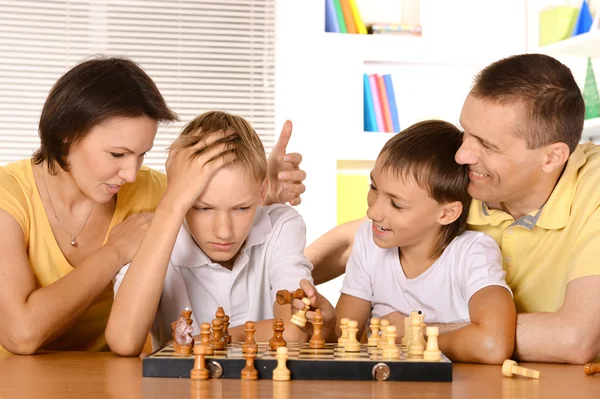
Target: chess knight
(183,342)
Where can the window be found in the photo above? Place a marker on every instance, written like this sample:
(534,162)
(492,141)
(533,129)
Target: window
(203,55)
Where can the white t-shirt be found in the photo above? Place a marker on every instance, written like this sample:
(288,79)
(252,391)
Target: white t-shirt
(271,259)
(469,263)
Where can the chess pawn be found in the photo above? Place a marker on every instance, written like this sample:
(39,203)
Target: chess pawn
(250,329)
(352,344)
(217,335)
(591,368)
(391,350)
(344,327)
(299,318)
(374,338)
(432,352)
(277,339)
(407,332)
(415,348)
(199,372)
(317,341)
(205,338)
(249,372)
(383,325)
(281,372)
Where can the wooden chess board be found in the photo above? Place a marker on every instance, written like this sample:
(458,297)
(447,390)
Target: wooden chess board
(331,363)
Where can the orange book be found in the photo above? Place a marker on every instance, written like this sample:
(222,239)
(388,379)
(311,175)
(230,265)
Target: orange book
(385,105)
(348,18)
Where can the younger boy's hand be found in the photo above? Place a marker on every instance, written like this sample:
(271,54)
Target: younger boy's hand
(283,172)
(317,301)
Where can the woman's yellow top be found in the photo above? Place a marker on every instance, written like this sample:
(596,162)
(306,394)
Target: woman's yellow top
(19,196)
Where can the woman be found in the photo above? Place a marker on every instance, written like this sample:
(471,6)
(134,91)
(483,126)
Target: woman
(76,212)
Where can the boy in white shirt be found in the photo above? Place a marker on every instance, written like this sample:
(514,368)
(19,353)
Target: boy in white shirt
(415,255)
(211,244)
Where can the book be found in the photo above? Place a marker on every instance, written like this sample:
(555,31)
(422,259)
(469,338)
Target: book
(331,22)
(360,25)
(352,190)
(370,124)
(385,105)
(389,86)
(376,103)
(340,16)
(348,19)
(584,20)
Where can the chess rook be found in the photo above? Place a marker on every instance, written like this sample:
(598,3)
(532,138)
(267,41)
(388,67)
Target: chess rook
(285,297)
(299,318)
(199,372)
(510,368)
(432,352)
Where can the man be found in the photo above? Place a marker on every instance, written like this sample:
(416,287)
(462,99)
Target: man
(537,193)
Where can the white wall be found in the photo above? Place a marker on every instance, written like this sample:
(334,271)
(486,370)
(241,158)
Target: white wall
(319,82)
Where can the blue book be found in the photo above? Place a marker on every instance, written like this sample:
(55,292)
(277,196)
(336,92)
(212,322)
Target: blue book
(584,20)
(389,88)
(370,124)
(331,22)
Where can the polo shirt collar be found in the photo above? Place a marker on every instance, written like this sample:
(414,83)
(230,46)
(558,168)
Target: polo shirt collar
(554,214)
(187,253)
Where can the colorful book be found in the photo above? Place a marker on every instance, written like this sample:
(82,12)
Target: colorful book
(385,105)
(370,124)
(350,26)
(584,20)
(376,103)
(360,25)
(340,16)
(331,22)
(389,86)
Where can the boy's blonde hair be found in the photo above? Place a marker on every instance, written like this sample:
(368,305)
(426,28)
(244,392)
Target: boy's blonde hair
(242,140)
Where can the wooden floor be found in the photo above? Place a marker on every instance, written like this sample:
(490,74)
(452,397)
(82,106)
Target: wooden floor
(93,375)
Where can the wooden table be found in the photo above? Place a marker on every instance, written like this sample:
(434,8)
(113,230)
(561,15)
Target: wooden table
(102,375)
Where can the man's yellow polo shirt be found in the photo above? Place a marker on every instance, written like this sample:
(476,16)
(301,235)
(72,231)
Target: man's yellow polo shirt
(546,249)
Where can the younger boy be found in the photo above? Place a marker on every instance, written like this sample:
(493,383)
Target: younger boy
(414,253)
(211,244)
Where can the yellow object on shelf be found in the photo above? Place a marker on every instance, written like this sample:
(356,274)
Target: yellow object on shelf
(557,24)
(352,190)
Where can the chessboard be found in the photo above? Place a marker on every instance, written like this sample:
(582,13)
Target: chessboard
(304,363)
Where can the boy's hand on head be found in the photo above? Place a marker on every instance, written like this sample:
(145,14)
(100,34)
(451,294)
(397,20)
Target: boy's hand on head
(317,301)
(190,168)
(283,172)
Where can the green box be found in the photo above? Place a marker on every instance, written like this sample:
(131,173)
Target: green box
(557,24)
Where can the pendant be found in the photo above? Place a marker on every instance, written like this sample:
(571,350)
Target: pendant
(73,241)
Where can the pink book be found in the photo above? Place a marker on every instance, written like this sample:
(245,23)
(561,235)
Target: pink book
(385,105)
(376,103)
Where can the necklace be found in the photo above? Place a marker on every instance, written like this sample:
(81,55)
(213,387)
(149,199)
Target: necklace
(73,236)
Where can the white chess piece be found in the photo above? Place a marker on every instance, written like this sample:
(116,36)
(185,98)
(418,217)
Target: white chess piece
(344,327)
(374,338)
(299,318)
(432,353)
(391,350)
(281,372)
(352,344)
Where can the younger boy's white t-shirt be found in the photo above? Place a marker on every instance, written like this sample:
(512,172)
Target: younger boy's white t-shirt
(271,259)
(469,263)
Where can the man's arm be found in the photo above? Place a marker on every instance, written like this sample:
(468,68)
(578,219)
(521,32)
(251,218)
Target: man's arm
(330,252)
(570,335)
(490,336)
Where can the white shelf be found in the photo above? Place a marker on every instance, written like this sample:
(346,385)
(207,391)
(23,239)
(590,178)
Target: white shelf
(364,146)
(585,45)
(591,130)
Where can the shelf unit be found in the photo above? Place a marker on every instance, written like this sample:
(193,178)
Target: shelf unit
(584,45)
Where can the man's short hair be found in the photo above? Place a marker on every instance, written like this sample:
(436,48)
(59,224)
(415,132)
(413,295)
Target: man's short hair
(546,90)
